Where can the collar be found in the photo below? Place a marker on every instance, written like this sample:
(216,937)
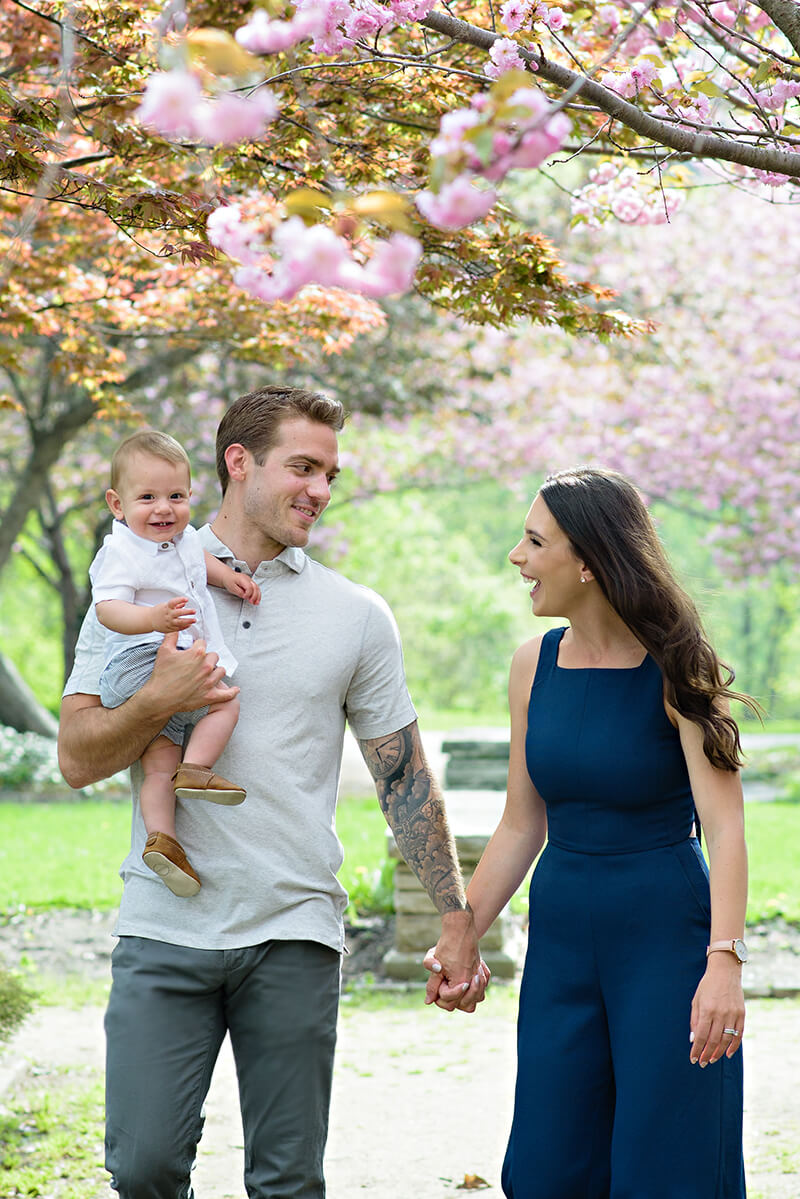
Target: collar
(121,533)
(291,555)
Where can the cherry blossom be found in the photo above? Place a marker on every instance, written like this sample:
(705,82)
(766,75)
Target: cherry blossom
(459,203)
(170,102)
(505,56)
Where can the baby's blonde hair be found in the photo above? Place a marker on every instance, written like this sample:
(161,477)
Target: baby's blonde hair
(147,441)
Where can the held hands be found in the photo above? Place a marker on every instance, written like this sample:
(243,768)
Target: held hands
(717,1011)
(464,996)
(459,976)
(172,616)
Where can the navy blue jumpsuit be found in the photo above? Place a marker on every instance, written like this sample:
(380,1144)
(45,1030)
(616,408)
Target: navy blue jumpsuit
(607,1103)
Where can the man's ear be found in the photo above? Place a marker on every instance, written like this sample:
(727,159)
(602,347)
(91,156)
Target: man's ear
(237,460)
(115,504)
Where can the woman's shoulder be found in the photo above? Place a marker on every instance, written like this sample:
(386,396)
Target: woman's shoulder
(524,664)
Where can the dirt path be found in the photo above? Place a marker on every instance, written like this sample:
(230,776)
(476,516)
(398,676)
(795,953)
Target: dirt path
(421,1098)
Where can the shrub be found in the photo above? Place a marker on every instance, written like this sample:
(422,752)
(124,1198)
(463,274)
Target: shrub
(16,1002)
(30,762)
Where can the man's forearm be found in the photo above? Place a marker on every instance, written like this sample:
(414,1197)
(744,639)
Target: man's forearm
(95,742)
(412,804)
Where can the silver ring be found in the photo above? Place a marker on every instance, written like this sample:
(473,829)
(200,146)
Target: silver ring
(730,1032)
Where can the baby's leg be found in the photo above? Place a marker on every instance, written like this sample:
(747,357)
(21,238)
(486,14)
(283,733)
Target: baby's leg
(194,778)
(211,733)
(157,798)
(163,853)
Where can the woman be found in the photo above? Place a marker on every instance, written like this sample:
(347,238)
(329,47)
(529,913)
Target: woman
(631,1014)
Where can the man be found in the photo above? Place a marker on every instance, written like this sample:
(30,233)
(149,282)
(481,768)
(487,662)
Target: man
(256,952)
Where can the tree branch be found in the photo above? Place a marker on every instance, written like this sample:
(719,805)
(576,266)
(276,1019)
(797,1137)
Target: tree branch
(698,145)
(785,15)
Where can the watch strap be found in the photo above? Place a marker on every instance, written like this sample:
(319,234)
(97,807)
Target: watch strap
(726,947)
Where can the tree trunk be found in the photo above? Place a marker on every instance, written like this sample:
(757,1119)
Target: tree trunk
(19,707)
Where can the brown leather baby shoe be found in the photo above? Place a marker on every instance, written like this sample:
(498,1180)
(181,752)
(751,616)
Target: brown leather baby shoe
(198,782)
(165,857)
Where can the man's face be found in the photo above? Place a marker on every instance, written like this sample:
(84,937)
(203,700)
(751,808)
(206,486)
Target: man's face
(285,495)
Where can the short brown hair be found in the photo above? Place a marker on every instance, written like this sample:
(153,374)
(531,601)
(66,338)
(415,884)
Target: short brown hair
(147,441)
(255,419)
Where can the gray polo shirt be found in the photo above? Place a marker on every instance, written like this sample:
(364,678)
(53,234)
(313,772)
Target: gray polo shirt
(318,650)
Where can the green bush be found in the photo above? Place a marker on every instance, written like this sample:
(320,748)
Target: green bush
(16,1002)
(29,762)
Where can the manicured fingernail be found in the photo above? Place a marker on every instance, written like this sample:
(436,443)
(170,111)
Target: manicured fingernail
(465,986)
(703,1065)
(477,979)
(436,968)
(691,1037)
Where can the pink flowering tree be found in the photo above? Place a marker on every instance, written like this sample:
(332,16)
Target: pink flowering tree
(365,145)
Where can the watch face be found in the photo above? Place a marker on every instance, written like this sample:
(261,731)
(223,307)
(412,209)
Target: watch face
(740,949)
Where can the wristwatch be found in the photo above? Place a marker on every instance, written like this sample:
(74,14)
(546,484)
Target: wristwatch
(737,947)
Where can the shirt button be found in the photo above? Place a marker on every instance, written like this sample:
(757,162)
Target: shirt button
(245,624)
(165,545)
(238,569)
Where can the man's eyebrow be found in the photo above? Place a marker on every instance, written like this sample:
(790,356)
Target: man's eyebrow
(314,462)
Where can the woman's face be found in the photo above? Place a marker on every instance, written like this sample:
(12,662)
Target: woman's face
(546,560)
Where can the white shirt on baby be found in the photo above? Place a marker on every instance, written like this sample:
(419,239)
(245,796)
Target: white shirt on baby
(131,568)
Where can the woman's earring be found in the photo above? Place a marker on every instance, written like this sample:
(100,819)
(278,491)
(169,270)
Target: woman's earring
(583,578)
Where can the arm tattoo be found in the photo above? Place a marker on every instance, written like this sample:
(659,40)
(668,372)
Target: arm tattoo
(412,804)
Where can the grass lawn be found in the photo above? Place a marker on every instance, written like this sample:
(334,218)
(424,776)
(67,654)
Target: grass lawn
(67,854)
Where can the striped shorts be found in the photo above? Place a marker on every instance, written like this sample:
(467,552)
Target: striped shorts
(127,672)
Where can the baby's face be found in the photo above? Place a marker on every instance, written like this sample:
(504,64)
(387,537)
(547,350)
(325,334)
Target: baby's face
(152,497)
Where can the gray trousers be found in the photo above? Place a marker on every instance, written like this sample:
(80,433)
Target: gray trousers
(168,1012)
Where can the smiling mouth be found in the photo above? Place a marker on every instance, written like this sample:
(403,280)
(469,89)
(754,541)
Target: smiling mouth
(527,580)
(306,512)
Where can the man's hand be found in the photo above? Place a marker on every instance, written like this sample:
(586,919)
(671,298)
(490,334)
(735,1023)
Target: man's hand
(441,992)
(172,616)
(187,679)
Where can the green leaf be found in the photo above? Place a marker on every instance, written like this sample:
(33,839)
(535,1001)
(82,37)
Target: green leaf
(707,87)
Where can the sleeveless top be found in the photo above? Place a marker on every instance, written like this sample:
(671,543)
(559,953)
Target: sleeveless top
(605,758)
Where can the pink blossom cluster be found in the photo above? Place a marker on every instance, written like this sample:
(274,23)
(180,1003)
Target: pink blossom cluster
(630,83)
(621,193)
(523,135)
(175,106)
(262,35)
(333,25)
(516,14)
(690,109)
(777,96)
(773,178)
(299,255)
(504,56)
(457,204)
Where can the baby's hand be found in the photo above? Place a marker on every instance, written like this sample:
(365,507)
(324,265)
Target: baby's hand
(242,585)
(173,615)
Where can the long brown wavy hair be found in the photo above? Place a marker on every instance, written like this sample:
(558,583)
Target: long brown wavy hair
(610,530)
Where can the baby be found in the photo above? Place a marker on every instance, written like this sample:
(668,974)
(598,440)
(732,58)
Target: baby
(150,578)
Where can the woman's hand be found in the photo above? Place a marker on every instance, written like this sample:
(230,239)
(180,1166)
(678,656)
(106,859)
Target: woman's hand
(471,996)
(717,1009)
